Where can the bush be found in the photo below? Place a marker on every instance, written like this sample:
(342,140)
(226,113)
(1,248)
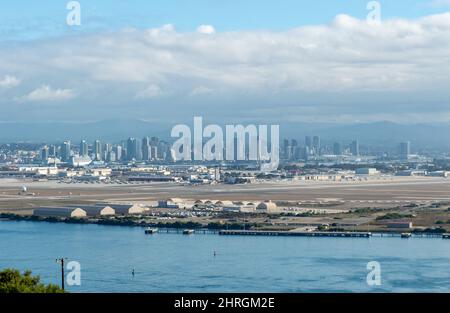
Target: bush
(394,215)
(12,281)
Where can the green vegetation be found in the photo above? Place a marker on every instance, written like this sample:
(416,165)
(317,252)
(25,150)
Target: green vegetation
(394,215)
(438,230)
(366,210)
(233,226)
(12,281)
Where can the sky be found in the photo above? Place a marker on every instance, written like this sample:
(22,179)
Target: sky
(258,61)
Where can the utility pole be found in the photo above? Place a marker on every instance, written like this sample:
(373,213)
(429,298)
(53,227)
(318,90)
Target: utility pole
(61,260)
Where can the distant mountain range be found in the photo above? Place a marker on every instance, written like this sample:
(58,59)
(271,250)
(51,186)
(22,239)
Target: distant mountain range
(379,133)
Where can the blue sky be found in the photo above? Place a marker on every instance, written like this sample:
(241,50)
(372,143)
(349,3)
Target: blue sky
(23,19)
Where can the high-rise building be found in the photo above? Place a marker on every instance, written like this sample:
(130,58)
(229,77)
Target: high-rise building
(66,151)
(97,150)
(133,149)
(44,154)
(111,156)
(316,145)
(84,148)
(405,150)
(304,153)
(154,141)
(118,152)
(146,150)
(354,148)
(337,148)
(286,148)
(106,151)
(154,152)
(308,142)
(52,151)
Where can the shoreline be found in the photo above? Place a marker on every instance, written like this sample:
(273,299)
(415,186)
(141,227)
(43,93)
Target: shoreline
(227,230)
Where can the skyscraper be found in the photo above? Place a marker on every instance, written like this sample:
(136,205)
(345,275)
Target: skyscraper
(146,149)
(316,145)
(118,152)
(111,156)
(44,154)
(405,150)
(304,153)
(337,148)
(308,142)
(66,151)
(107,151)
(133,149)
(84,149)
(354,147)
(287,149)
(154,152)
(52,151)
(97,150)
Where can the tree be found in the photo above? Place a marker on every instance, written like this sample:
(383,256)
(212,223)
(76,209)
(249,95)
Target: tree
(12,281)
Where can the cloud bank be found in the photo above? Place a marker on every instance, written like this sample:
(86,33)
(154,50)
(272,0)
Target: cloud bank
(288,69)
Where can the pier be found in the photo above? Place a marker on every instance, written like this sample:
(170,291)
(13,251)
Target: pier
(294,233)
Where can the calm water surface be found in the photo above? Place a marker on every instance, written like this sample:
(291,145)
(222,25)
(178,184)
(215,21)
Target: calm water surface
(180,263)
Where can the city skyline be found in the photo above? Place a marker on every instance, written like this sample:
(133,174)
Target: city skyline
(151,149)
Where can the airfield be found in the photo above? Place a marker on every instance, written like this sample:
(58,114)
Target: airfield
(379,192)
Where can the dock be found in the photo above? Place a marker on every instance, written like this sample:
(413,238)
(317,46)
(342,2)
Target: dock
(151,231)
(294,233)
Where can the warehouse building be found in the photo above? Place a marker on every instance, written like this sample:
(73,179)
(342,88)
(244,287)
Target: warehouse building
(224,203)
(59,212)
(266,207)
(96,210)
(124,208)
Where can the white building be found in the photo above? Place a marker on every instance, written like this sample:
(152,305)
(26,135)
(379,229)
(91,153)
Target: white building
(96,210)
(124,208)
(80,161)
(367,171)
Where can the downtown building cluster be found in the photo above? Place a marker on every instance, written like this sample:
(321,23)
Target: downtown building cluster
(130,150)
(314,149)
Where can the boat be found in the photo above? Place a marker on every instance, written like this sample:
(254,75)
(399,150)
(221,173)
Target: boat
(188,232)
(150,231)
(406,235)
(446,236)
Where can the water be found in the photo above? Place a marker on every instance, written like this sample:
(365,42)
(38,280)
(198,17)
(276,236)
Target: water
(180,263)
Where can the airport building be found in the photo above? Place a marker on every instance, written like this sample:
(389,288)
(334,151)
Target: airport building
(266,207)
(367,171)
(59,212)
(124,208)
(96,210)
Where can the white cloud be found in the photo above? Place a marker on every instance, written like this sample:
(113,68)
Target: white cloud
(439,3)
(347,54)
(345,57)
(9,82)
(46,93)
(151,91)
(206,29)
